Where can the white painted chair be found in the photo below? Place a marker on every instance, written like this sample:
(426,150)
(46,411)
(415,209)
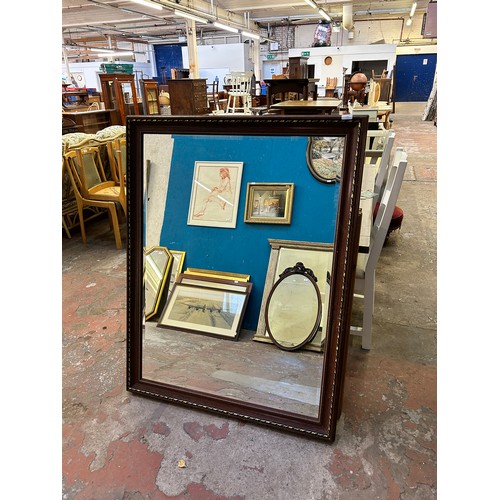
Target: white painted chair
(371,112)
(383,164)
(364,287)
(239,95)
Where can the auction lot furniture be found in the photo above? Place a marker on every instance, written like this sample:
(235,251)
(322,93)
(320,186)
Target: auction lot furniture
(282,86)
(323,106)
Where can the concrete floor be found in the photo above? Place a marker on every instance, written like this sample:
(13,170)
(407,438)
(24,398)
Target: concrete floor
(117,445)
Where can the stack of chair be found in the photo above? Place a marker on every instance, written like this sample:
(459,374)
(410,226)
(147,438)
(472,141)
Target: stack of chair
(364,287)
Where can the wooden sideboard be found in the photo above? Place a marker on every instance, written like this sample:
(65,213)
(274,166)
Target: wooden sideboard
(90,122)
(188,96)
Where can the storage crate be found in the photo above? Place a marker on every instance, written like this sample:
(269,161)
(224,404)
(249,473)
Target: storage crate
(117,68)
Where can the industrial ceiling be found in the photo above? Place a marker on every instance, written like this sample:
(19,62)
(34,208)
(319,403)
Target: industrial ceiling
(111,23)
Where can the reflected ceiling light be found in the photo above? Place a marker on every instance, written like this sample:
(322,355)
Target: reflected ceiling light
(147,3)
(180,13)
(408,23)
(413,9)
(112,54)
(325,15)
(224,27)
(250,35)
(311,3)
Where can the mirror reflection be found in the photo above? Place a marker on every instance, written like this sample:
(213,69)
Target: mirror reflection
(157,264)
(209,346)
(229,359)
(293,309)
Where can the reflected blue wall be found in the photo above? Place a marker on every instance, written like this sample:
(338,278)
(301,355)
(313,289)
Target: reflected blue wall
(245,249)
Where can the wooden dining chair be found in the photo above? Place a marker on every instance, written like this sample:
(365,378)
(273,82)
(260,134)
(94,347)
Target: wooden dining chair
(364,287)
(239,95)
(74,173)
(94,185)
(117,157)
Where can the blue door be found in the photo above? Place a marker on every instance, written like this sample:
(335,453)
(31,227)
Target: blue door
(414,76)
(167,57)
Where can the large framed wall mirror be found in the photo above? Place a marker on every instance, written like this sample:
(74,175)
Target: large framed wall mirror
(208,352)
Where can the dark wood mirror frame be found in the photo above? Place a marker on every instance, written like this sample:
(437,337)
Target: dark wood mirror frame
(344,259)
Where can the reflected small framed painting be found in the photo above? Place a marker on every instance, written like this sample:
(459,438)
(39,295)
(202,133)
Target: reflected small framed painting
(215,194)
(209,307)
(269,203)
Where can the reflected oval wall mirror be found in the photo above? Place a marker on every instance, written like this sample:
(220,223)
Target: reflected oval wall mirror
(293,309)
(325,158)
(190,176)
(157,266)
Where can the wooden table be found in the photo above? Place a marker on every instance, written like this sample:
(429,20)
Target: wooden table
(297,85)
(322,106)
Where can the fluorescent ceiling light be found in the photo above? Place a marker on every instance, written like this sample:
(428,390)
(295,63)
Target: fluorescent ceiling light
(408,23)
(109,54)
(224,27)
(325,15)
(147,3)
(180,13)
(250,35)
(93,49)
(311,3)
(413,9)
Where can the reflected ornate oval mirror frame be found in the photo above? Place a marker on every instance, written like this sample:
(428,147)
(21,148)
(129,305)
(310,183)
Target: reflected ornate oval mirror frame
(293,309)
(188,136)
(325,158)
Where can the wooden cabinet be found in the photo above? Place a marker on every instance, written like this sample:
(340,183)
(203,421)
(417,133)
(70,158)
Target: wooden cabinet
(90,122)
(297,67)
(150,97)
(119,92)
(188,96)
(75,99)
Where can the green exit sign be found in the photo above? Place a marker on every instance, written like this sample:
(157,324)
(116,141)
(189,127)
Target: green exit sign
(271,56)
(306,54)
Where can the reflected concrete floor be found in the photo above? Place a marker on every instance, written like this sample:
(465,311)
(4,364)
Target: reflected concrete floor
(244,370)
(117,445)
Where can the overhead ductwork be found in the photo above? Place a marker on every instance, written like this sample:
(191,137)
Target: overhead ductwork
(347,23)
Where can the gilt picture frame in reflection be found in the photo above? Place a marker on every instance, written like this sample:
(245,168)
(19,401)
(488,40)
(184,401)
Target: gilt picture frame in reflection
(209,307)
(269,203)
(215,194)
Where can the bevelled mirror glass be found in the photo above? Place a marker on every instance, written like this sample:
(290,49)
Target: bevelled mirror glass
(293,309)
(207,346)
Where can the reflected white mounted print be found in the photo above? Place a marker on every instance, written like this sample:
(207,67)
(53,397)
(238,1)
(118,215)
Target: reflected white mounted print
(215,194)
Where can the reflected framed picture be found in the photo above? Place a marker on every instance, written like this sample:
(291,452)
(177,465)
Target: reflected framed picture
(284,254)
(206,306)
(217,274)
(325,158)
(177,263)
(157,269)
(215,194)
(269,203)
